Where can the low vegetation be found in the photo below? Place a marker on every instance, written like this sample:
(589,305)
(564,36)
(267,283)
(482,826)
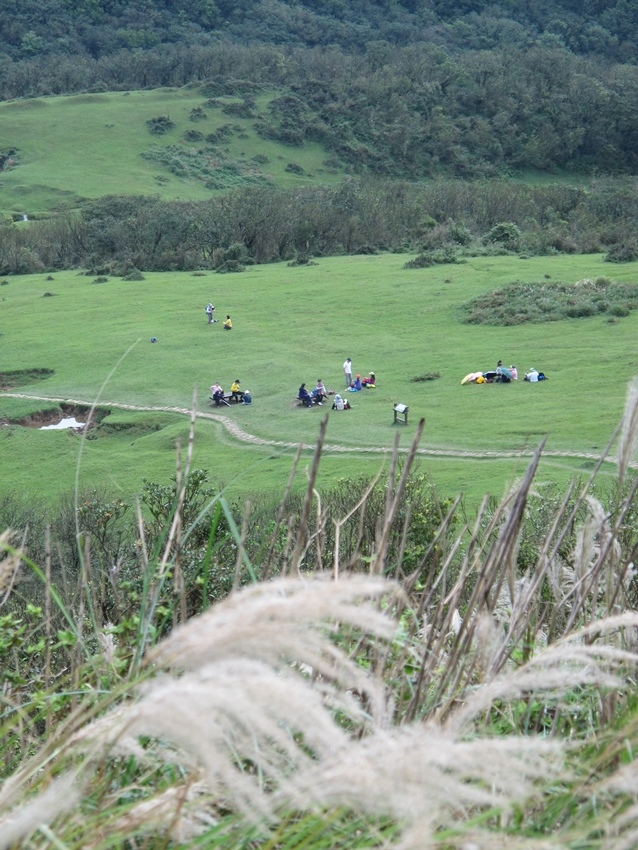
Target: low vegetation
(519,303)
(384,675)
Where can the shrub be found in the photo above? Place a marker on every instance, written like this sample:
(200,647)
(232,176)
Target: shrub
(624,252)
(198,114)
(618,310)
(293,168)
(231,259)
(245,109)
(506,234)
(442,256)
(193,136)
(160,125)
(549,302)
(427,376)
(421,261)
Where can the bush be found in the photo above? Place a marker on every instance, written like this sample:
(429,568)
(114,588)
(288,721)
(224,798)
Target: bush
(624,252)
(428,376)
(518,302)
(619,310)
(506,234)
(160,125)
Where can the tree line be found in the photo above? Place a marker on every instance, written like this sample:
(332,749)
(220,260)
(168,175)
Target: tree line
(411,112)
(443,218)
(96,28)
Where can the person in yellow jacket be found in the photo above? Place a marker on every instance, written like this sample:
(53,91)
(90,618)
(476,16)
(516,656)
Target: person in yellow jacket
(228,325)
(236,391)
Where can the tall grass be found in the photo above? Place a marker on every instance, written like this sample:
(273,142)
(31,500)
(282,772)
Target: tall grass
(339,696)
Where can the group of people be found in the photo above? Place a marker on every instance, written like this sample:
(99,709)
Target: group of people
(210,315)
(319,394)
(236,394)
(358,383)
(502,375)
(309,397)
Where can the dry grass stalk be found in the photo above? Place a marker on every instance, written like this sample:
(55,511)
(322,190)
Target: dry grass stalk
(9,564)
(60,797)
(427,779)
(269,559)
(628,438)
(378,561)
(301,544)
(241,672)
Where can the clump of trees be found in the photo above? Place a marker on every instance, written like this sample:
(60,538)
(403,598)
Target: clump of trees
(440,221)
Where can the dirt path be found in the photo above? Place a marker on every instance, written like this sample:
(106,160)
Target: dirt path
(243,436)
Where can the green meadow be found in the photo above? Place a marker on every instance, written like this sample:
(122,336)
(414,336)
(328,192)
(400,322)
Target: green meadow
(294,324)
(86,146)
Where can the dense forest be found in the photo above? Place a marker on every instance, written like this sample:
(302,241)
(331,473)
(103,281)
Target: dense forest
(96,28)
(410,91)
(406,89)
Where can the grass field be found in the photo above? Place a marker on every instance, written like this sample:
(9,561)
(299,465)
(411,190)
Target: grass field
(111,132)
(298,324)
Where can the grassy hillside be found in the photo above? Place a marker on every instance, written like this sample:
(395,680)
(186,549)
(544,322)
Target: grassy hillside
(69,148)
(299,324)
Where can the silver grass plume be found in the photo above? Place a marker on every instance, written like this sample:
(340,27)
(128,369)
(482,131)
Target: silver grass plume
(426,778)
(253,687)
(10,560)
(575,660)
(61,796)
(628,438)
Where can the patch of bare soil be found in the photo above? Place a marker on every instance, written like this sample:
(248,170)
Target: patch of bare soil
(53,415)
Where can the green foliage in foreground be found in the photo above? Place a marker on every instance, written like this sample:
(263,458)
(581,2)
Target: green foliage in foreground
(483,697)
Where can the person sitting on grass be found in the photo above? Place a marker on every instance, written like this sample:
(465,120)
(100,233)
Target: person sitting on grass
(356,385)
(236,393)
(320,393)
(340,403)
(370,381)
(228,325)
(217,394)
(304,396)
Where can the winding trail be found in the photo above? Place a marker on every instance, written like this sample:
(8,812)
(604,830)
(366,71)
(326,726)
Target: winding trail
(243,436)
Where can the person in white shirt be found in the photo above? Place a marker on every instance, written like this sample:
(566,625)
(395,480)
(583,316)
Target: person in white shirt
(347,371)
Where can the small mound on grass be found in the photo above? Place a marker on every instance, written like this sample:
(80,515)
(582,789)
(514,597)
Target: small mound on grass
(428,376)
(9,380)
(519,303)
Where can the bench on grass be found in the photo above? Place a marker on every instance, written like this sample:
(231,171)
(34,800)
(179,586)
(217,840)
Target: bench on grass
(305,402)
(227,399)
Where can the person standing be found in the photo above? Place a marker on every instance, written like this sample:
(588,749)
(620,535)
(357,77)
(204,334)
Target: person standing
(210,309)
(347,371)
